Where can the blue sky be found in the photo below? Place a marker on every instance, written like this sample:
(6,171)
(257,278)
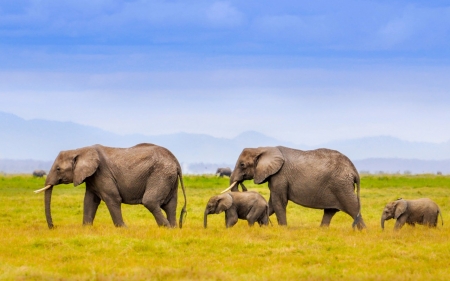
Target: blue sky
(308,72)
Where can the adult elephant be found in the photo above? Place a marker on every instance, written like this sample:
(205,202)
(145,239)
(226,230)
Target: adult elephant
(321,179)
(143,174)
(39,173)
(223,172)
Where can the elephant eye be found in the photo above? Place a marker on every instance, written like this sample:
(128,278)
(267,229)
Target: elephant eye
(242,165)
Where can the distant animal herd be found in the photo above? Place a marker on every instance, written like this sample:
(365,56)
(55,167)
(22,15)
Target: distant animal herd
(148,174)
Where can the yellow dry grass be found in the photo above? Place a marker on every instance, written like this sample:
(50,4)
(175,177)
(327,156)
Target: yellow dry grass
(302,250)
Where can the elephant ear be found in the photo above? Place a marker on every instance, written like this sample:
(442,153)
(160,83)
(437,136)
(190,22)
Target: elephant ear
(85,163)
(267,163)
(224,203)
(400,208)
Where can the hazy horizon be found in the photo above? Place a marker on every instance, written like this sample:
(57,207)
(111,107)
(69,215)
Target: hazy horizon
(228,137)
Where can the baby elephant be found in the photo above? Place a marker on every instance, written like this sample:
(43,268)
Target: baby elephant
(250,206)
(421,211)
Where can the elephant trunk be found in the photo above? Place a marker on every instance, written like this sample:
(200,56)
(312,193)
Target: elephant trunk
(236,181)
(382,222)
(48,199)
(233,177)
(205,219)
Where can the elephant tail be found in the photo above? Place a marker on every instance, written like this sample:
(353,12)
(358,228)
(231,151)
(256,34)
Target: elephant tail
(358,220)
(442,220)
(357,182)
(183,210)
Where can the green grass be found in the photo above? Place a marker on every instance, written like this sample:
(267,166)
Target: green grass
(302,250)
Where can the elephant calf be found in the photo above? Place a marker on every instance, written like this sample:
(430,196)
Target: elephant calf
(422,211)
(250,206)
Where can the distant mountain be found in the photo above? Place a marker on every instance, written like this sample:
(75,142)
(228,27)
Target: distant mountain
(42,140)
(389,147)
(402,166)
(255,139)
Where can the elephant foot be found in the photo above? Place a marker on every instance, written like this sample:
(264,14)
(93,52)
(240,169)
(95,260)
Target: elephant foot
(166,224)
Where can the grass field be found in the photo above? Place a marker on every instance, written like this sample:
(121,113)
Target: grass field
(302,250)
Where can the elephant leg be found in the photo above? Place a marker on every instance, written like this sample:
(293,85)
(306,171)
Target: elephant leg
(231,218)
(170,209)
(430,220)
(327,216)
(154,208)
(256,214)
(400,222)
(264,220)
(278,203)
(157,191)
(253,215)
(91,202)
(115,210)
(349,204)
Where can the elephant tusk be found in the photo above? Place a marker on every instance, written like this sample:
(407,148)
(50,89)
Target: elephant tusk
(231,186)
(42,189)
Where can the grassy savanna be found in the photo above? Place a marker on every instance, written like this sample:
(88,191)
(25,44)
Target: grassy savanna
(142,251)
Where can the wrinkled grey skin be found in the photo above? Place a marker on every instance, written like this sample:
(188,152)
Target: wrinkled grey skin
(143,174)
(39,173)
(250,206)
(223,172)
(422,211)
(321,179)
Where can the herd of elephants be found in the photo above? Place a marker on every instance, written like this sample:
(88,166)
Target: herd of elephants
(149,174)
